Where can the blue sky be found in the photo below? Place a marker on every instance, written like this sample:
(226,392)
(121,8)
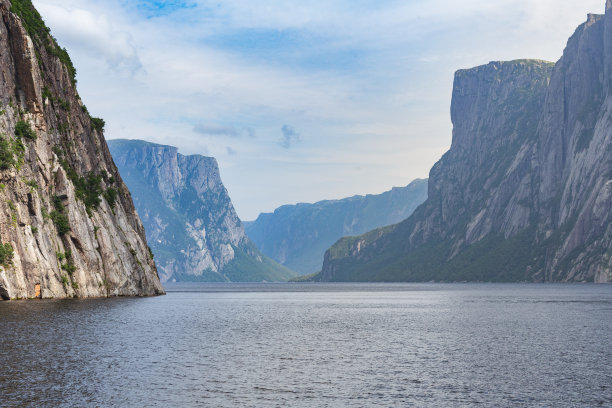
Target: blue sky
(298,100)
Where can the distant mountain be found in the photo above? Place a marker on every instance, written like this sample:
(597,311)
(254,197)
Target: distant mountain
(189,219)
(525,191)
(298,235)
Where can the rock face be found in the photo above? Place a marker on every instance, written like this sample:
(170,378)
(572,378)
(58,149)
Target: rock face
(525,191)
(298,235)
(68,226)
(190,221)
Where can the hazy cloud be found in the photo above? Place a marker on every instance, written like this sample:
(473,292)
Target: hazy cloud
(290,137)
(223,130)
(230,151)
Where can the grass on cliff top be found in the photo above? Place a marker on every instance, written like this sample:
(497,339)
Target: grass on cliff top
(40,33)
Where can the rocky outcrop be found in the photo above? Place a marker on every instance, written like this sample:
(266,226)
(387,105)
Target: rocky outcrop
(191,223)
(525,191)
(298,235)
(68,226)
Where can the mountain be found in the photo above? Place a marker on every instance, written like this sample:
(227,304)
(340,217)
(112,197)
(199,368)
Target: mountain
(69,227)
(189,218)
(525,191)
(298,235)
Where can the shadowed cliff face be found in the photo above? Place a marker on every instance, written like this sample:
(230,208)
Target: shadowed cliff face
(68,225)
(297,236)
(191,223)
(525,192)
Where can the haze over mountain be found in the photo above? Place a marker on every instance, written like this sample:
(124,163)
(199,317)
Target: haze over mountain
(189,218)
(525,191)
(298,235)
(69,226)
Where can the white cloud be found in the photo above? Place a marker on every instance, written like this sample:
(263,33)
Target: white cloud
(93,34)
(385,110)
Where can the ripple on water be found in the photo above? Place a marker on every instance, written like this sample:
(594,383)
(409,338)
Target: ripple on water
(314,345)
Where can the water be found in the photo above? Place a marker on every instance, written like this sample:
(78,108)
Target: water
(329,345)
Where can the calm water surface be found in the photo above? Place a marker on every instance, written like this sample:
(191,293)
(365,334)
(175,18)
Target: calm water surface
(321,345)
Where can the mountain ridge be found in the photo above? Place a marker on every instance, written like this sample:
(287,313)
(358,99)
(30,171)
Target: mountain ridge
(525,191)
(190,221)
(298,235)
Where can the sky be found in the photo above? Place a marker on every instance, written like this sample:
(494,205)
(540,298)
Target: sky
(298,101)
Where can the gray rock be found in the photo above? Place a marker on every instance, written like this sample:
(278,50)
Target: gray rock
(298,235)
(191,223)
(525,191)
(106,246)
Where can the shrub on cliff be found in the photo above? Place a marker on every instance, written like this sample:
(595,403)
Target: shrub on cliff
(6,254)
(59,217)
(7,160)
(24,131)
(98,124)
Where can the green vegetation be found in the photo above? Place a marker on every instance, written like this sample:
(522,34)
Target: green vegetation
(46,94)
(40,33)
(313,277)
(6,254)
(67,266)
(97,124)
(111,196)
(88,188)
(55,100)
(19,151)
(247,268)
(12,153)
(34,230)
(24,131)
(59,217)
(31,183)
(494,258)
(65,281)
(7,159)
(58,151)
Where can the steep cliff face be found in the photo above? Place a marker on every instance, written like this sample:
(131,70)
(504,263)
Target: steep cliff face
(298,235)
(68,225)
(525,192)
(191,224)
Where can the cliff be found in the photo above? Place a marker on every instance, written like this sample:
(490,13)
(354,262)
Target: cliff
(297,236)
(191,223)
(525,191)
(68,225)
